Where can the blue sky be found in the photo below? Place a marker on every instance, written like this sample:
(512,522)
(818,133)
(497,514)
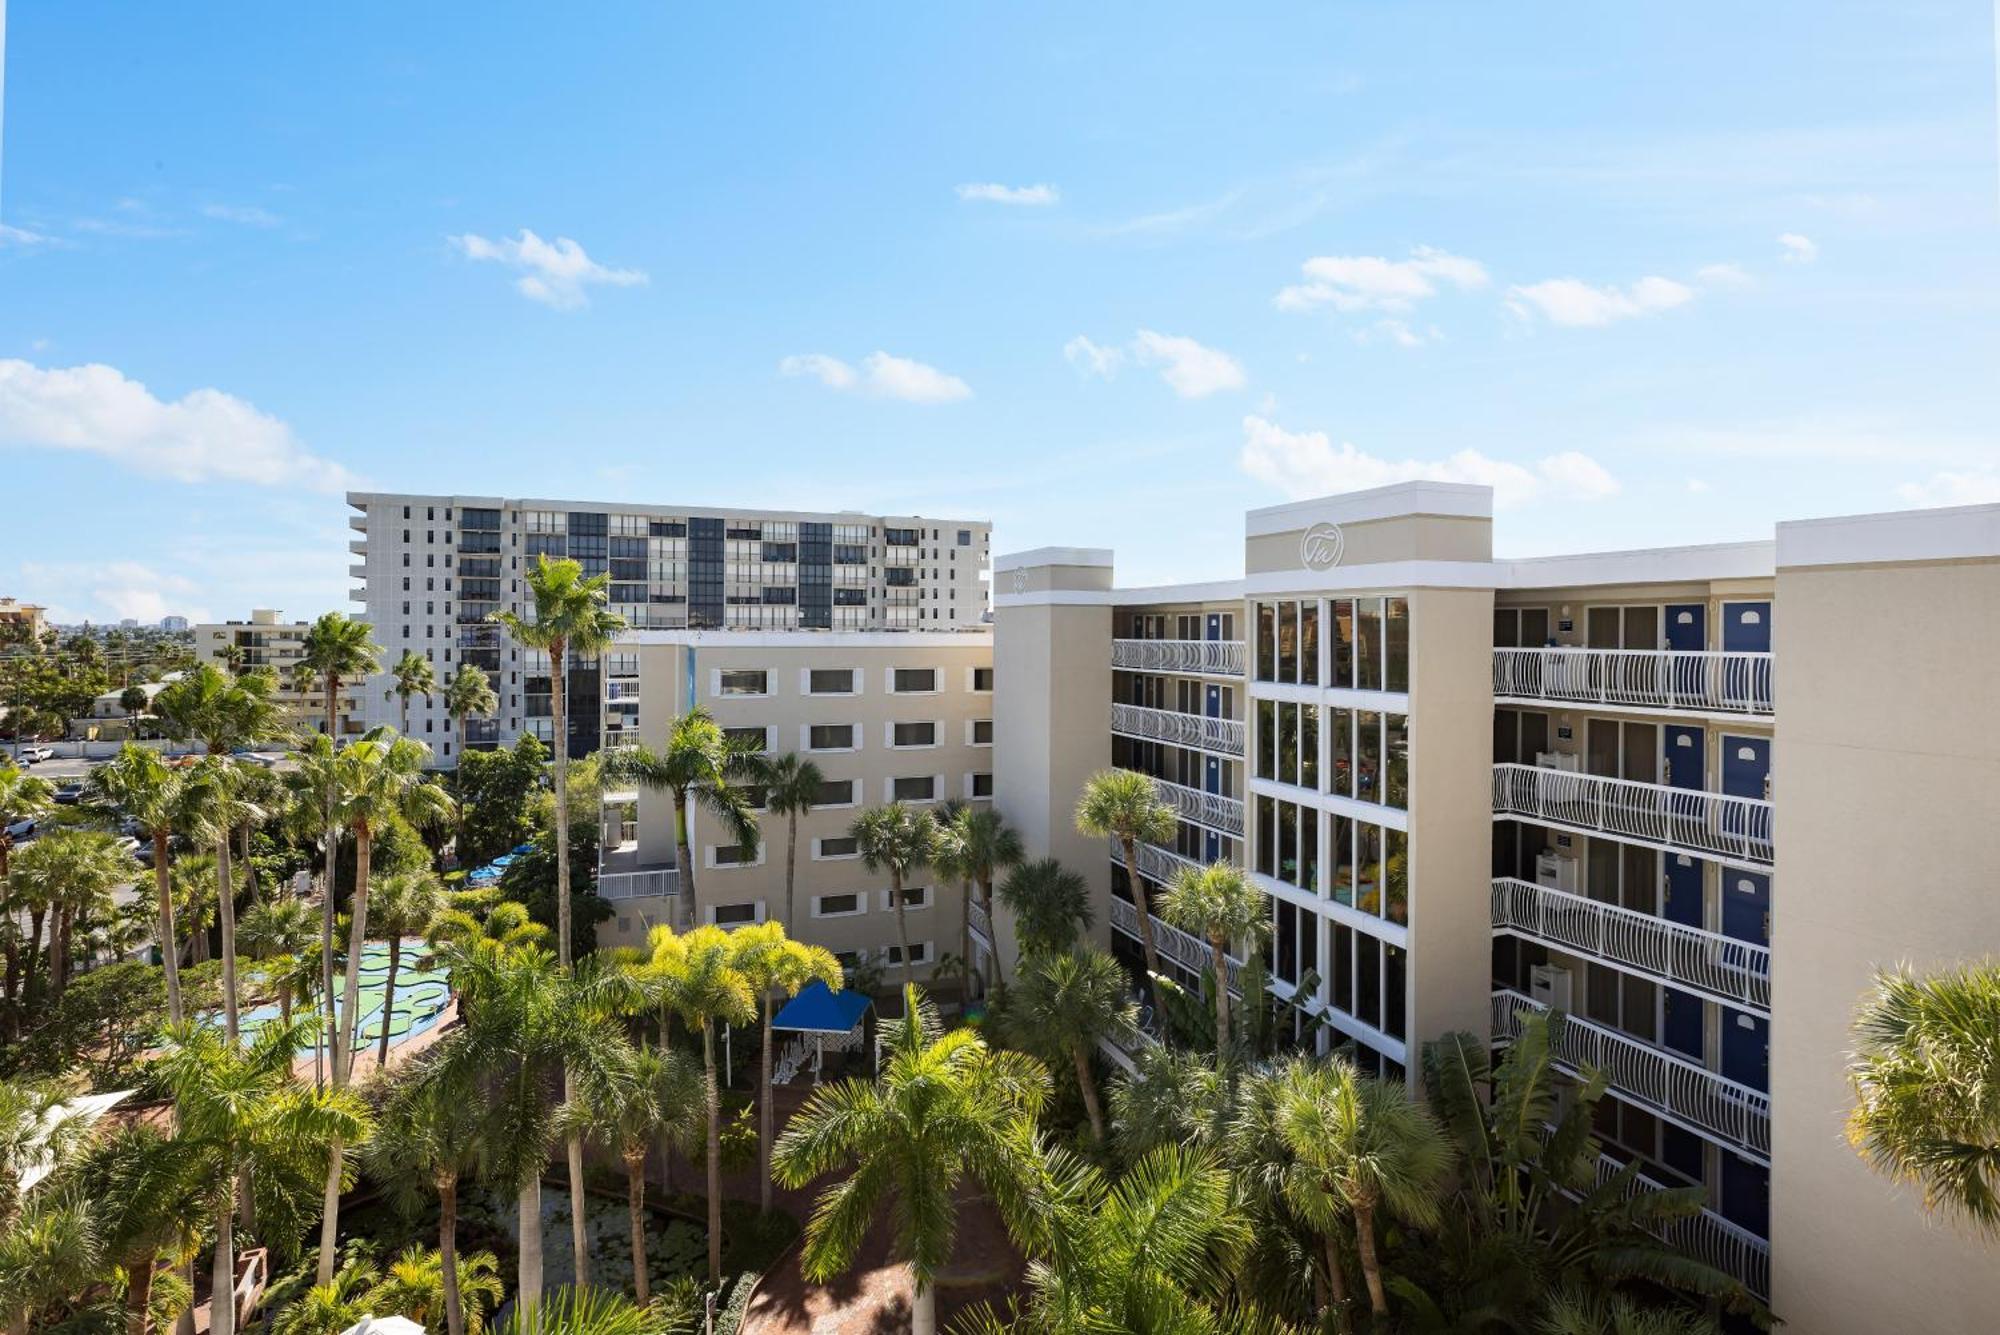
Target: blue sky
(1664,274)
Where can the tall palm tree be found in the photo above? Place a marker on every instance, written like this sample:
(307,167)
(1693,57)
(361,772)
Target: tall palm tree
(315,785)
(239,1108)
(143,788)
(21,795)
(792,786)
(1926,1077)
(1124,806)
(467,695)
(1050,904)
(69,875)
(409,903)
(413,675)
(698,767)
(900,840)
(217,802)
(1219,905)
(570,618)
(1359,1146)
(1061,1005)
(946,1107)
(986,846)
(278,932)
(427,1136)
(378,778)
(776,966)
(338,650)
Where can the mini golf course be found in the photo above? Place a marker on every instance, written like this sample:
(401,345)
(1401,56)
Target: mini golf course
(421,994)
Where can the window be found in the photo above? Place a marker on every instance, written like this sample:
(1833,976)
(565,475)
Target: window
(914,897)
(836,846)
(835,793)
(920,953)
(1396,636)
(1267,643)
(965,537)
(837,906)
(913,734)
(920,788)
(830,681)
(748,739)
(1368,644)
(734,915)
(1396,744)
(731,855)
(981,785)
(830,737)
(980,733)
(742,681)
(913,681)
(982,679)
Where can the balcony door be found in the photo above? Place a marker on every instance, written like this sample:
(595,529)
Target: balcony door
(1623,750)
(1682,901)
(1746,628)
(1686,761)
(1746,1049)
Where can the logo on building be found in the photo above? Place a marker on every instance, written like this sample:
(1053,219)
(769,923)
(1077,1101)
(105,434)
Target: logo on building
(1320,547)
(1020,579)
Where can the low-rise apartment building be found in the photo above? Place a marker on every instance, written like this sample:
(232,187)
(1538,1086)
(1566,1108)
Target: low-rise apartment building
(266,640)
(432,570)
(1472,789)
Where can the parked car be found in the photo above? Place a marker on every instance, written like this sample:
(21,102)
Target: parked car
(70,793)
(35,755)
(22,829)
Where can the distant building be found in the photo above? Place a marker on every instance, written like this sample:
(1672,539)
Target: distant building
(266,640)
(14,614)
(173,625)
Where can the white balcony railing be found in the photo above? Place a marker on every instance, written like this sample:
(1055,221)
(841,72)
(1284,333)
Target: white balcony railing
(981,925)
(1708,962)
(1640,1073)
(1685,819)
(653,883)
(1221,736)
(1711,681)
(1212,810)
(1707,1236)
(1183,948)
(1200,658)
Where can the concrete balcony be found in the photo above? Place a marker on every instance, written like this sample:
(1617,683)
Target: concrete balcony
(1183,948)
(1194,658)
(1696,1097)
(1710,963)
(1707,1236)
(1211,811)
(1218,736)
(620,875)
(979,923)
(358,570)
(359,546)
(1681,820)
(1701,681)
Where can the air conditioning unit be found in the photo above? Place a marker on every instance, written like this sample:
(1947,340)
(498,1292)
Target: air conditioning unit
(1551,985)
(1556,871)
(1558,760)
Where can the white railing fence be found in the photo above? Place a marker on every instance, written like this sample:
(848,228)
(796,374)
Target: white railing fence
(1205,658)
(1707,1236)
(1650,1076)
(1716,824)
(1223,736)
(1710,680)
(1183,948)
(1709,962)
(639,884)
(1213,810)
(982,926)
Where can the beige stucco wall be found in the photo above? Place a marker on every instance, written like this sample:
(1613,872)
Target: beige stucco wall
(1399,538)
(1888,775)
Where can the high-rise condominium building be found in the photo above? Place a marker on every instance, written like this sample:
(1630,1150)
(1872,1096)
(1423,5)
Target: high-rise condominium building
(1692,798)
(266,640)
(433,570)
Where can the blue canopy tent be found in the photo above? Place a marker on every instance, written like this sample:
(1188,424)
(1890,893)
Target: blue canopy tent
(816,1013)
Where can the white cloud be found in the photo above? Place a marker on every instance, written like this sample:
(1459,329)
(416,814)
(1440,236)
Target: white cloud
(205,436)
(1390,330)
(1798,249)
(1032,196)
(1570,301)
(1981,488)
(1697,486)
(555,273)
(1370,282)
(1724,276)
(880,376)
(111,591)
(247,214)
(20,236)
(1190,369)
(1303,464)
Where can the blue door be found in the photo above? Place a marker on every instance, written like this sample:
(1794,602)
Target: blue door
(1215,625)
(1212,701)
(1746,1049)
(1687,626)
(1211,774)
(1746,628)
(1746,772)
(1686,756)
(1681,1026)
(1746,905)
(1683,900)
(1746,1194)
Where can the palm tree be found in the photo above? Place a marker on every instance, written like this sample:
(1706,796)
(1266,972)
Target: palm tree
(698,980)
(378,778)
(792,786)
(410,903)
(1061,1005)
(414,1287)
(1926,1076)
(143,788)
(1580,1312)
(338,651)
(149,1203)
(238,1109)
(570,618)
(216,804)
(986,846)
(33,1131)
(427,1136)
(315,785)
(21,795)
(50,1254)
(333,1305)
(699,766)
(1218,904)
(1050,904)
(1124,806)
(581,1311)
(899,839)
(278,931)
(67,875)
(776,966)
(413,675)
(1359,1145)
(467,695)
(946,1106)
(662,1090)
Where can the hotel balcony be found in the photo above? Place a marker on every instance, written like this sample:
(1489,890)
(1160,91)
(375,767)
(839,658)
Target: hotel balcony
(358,571)
(620,875)
(1680,820)
(359,546)
(1709,963)
(1218,736)
(1704,682)
(1196,658)
(359,523)
(1211,811)
(980,925)
(1663,1082)
(1706,1236)
(1183,948)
